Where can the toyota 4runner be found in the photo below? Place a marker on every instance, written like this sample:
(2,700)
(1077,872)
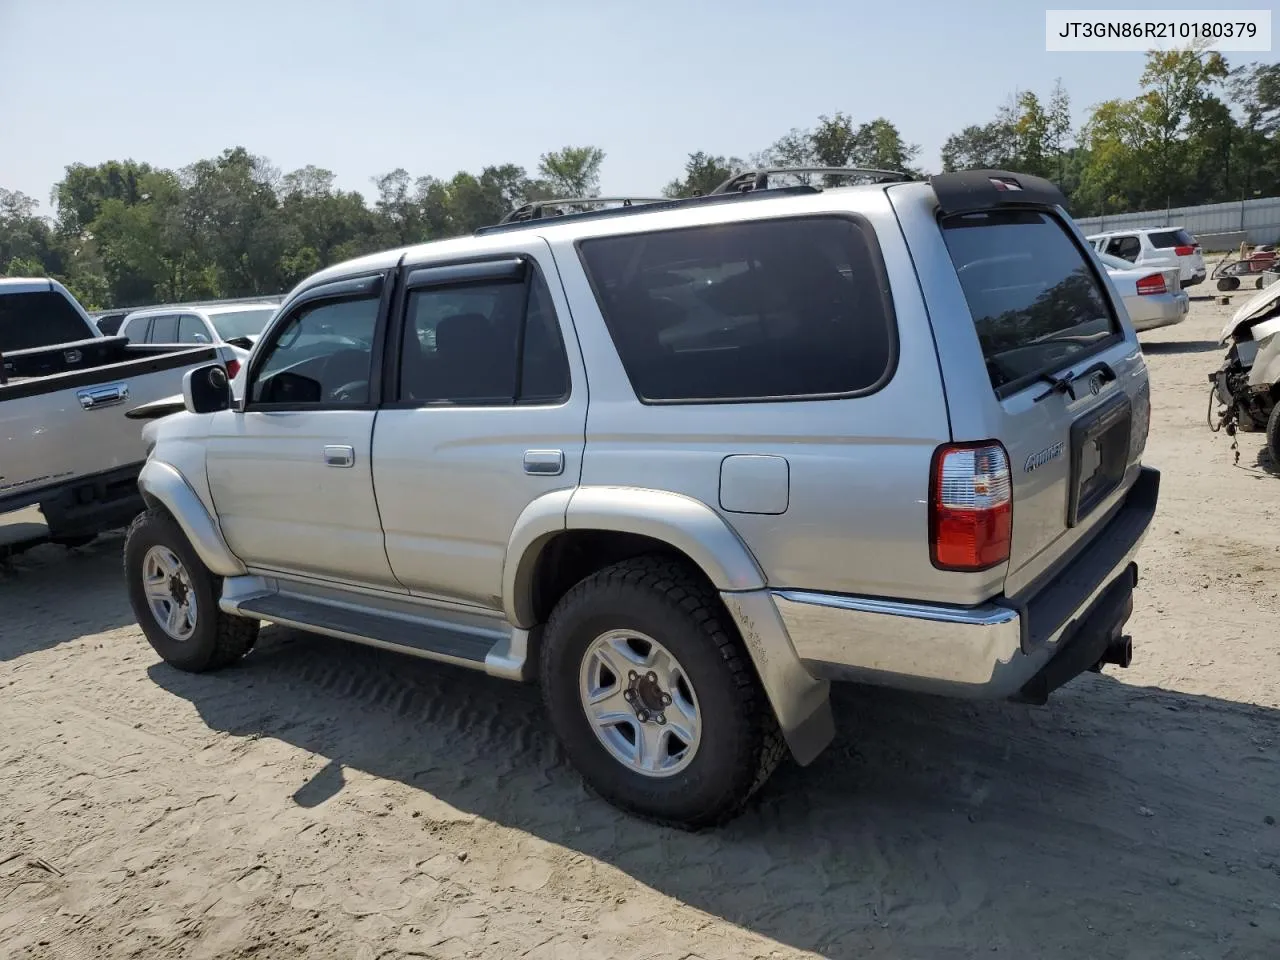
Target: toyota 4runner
(683,463)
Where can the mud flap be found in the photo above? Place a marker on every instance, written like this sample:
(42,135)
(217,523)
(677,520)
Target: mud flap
(1086,639)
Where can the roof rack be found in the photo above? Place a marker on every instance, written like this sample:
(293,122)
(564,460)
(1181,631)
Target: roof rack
(540,209)
(751,180)
(522,218)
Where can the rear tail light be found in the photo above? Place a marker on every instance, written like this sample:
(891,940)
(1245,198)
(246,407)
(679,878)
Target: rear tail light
(970,507)
(1152,284)
(233,367)
(1185,251)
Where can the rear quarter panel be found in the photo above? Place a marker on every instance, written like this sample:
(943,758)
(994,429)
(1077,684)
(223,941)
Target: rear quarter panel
(855,517)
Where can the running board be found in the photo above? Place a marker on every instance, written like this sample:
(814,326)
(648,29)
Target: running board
(464,640)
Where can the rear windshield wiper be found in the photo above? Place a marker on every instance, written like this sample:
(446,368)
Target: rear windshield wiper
(1066,384)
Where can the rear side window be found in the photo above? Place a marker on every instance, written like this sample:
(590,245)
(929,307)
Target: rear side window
(763,310)
(1171,238)
(483,344)
(41,319)
(1035,300)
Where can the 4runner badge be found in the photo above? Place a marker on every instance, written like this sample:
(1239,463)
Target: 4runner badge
(1038,460)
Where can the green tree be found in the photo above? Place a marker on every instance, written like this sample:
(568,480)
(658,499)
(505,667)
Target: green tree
(702,174)
(572,171)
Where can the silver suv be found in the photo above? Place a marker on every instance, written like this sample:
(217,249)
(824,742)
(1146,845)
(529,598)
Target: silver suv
(682,463)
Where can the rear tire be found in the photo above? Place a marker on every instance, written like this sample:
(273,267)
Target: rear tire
(175,598)
(652,617)
(1273,434)
(1228,283)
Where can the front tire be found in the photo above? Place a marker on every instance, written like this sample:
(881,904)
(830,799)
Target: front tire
(175,598)
(653,696)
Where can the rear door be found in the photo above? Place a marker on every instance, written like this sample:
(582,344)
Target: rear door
(486,411)
(1035,355)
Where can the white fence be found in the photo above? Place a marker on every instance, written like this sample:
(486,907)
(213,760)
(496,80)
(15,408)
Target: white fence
(1259,218)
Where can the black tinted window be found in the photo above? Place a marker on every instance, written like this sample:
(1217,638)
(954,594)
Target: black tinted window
(323,354)
(461,344)
(746,311)
(1035,301)
(1171,238)
(41,319)
(164,330)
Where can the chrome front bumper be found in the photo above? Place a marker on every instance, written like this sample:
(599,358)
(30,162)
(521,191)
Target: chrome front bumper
(992,651)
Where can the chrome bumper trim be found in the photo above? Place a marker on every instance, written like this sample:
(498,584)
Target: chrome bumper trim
(973,652)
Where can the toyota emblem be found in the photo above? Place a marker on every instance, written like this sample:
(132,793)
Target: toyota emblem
(1095,384)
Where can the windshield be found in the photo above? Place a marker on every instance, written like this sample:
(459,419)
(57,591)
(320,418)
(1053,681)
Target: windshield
(241,323)
(39,319)
(1035,301)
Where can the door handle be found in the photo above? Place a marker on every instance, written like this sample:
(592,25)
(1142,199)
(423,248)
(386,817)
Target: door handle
(544,463)
(108,395)
(339,455)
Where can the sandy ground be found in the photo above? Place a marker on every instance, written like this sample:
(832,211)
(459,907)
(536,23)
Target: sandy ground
(327,801)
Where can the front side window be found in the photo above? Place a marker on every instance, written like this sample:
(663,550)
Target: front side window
(1035,301)
(164,329)
(462,345)
(191,329)
(323,354)
(760,310)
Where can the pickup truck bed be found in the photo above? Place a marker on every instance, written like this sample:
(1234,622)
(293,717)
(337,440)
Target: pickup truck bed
(65,442)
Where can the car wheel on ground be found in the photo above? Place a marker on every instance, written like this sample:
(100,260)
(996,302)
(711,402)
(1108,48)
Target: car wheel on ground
(1273,435)
(653,695)
(175,598)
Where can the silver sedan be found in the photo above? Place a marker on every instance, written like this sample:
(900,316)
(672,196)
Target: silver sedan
(1153,296)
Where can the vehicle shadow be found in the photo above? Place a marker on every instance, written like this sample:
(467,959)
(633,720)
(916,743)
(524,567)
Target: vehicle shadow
(35,585)
(1119,820)
(1180,347)
(1267,462)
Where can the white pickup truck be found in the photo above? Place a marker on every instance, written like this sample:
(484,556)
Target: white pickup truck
(66,444)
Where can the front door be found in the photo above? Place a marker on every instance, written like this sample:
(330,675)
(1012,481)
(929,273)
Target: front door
(291,473)
(486,412)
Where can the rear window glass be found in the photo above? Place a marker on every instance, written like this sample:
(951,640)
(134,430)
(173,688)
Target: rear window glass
(40,319)
(1171,238)
(770,309)
(1035,301)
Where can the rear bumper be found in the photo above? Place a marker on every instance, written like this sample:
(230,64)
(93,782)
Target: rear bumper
(1148,313)
(1010,647)
(1197,277)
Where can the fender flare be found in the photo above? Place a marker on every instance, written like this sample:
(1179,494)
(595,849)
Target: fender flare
(686,524)
(163,484)
(799,701)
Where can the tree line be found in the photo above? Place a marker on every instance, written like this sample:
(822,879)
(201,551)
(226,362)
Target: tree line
(125,233)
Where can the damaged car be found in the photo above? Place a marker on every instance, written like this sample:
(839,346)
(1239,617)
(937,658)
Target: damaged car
(1246,388)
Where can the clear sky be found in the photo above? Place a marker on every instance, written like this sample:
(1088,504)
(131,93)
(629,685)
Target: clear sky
(364,87)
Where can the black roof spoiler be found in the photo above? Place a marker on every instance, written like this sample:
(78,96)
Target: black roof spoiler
(969,191)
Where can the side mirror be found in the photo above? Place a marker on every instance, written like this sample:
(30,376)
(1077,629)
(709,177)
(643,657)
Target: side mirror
(199,338)
(206,389)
